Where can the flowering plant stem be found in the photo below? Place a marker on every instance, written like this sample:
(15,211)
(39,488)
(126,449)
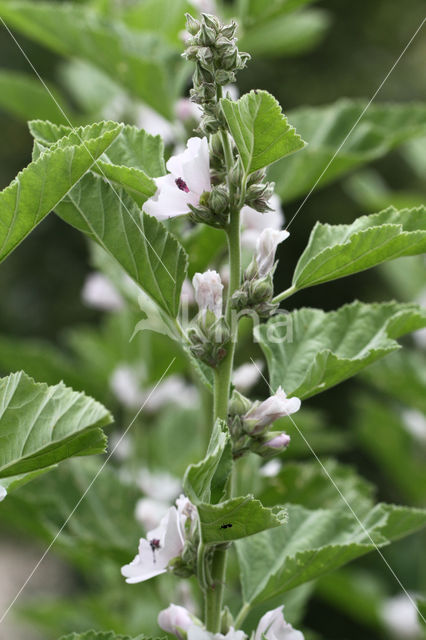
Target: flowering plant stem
(284,295)
(222,383)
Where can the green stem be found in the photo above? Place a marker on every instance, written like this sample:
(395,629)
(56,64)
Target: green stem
(241,616)
(285,294)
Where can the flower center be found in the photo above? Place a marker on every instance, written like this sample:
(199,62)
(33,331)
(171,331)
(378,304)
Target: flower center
(181,184)
(155,545)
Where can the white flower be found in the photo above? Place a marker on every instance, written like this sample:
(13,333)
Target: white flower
(273,626)
(99,292)
(161,545)
(3,493)
(246,376)
(173,390)
(185,110)
(126,387)
(150,512)
(159,486)
(154,123)
(189,177)
(266,247)
(195,632)
(276,406)
(208,292)
(175,619)
(270,469)
(120,445)
(415,423)
(399,615)
(206,6)
(253,222)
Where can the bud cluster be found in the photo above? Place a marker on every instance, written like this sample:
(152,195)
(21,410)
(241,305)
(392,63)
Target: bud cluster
(259,192)
(212,46)
(209,332)
(213,208)
(257,290)
(249,423)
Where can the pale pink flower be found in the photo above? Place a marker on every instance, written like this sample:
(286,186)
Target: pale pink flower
(266,247)
(272,626)
(175,620)
(161,545)
(159,485)
(185,110)
(155,124)
(126,387)
(195,632)
(99,292)
(188,179)
(270,469)
(253,222)
(276,406)
(399,616)
(280,441)
(150,512)
(208,292)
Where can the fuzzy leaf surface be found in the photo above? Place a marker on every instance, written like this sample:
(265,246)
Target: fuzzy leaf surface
(260,130)
(312,350)
(334,251)
(43,184)
(313,543)
(41,425)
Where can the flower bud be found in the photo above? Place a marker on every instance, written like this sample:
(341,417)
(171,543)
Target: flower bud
(260,416)
(223,77)
(206,36)
(239,404)
(219,199)
(266,247)
(229,30)
(270,445)
(175,620)
(261,290)
(208,292)
(192,25)
(280,441)
(211,21)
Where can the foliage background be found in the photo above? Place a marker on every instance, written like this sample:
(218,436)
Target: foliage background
(41,282)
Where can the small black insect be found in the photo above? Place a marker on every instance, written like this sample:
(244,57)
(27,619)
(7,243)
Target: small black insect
(225,526)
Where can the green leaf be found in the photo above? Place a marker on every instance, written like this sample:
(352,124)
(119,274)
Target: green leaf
(381,128)
(159,16)
(139,62)
(260,130)
(103,526)
(237,518)
(100,635)
(263,10)
(286,34)
(313,543)
(134,158)
(41,425)
(142,245)
(310,350)
(25,97)
(335,251)
(211,474)
(43,184)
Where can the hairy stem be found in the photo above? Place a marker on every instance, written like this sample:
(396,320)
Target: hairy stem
(285,294)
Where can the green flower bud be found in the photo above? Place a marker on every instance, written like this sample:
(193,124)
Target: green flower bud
(212,22)
(223,77)
(239,404)
(192,25)
(261,290)
(219,199)
(206,36)
(229,30)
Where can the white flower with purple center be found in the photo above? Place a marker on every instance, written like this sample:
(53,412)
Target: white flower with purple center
(162,545)
(276,406)
(188,179)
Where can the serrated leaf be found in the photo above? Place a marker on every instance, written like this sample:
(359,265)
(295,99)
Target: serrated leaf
(210,474)
(24,96)
(237,518)
(260,129)
(134,158)
(381,128)
(310,350)
(142,245)
(139,62)
(41,425)
(334,251)
(313,543)
(43,184)
(100,635)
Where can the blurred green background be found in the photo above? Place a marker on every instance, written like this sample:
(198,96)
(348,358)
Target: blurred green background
(347,53)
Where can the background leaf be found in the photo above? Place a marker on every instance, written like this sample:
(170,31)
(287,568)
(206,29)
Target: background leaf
(41,425)
(381,128)
(310,350)
(260,130)
(334,251)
